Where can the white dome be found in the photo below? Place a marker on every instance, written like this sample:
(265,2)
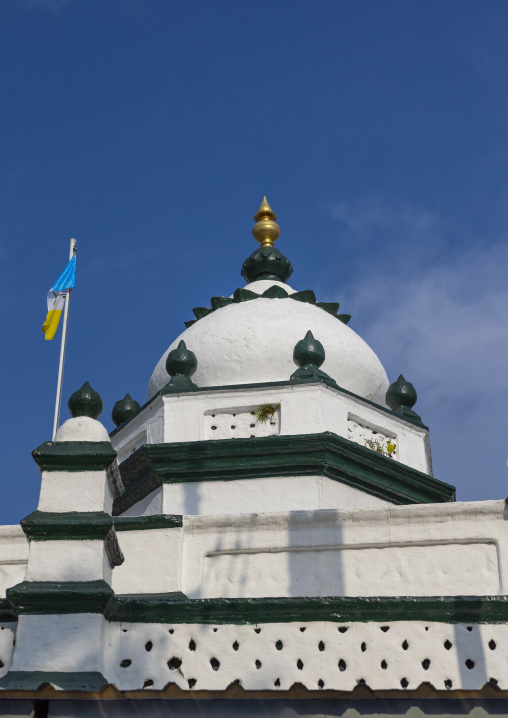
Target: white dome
(252,342)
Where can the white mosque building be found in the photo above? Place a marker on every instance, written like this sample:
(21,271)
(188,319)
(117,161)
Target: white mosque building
(263,537)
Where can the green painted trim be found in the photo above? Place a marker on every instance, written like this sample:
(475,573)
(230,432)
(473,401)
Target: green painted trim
(73,525)
(59,597)
(88,681)
(330,307)
(275,384)
(176,608)
(74,455)
(306,295)
(219,302)
(142,523)
(324,454)
(7,612)
(273,292)
(200,312)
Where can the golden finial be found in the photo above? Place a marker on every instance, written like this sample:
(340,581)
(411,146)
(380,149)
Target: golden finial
(266,230)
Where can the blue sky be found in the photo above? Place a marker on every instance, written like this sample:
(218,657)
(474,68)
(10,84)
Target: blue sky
(151,129)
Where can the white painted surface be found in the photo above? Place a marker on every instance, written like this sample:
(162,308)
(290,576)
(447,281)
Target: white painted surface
(287,493)
(63,491)
(82,428)
(152,561)
(372,437)
(253,342)
(13,557)
(149,506)
(58,643)
(419,550)
(428,570)
(304,409)
(7,637)
(239,423)
(68,561)
(319,653)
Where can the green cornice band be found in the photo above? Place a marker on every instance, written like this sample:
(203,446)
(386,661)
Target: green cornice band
(97,597)
(73,525)
(59,597)
(176,608)
(74,455)
(142,523)
(88,681)
(324,454)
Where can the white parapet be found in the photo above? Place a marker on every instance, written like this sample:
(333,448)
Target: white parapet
(397,655)
(304,409)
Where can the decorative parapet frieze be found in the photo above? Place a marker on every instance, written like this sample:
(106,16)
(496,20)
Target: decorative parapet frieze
(321,655)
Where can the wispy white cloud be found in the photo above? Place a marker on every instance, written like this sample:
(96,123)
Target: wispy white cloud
(438,313)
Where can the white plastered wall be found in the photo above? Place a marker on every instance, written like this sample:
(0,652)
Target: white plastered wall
(419,550)
(13,557)
(152,560)
(69,643)
(290,493)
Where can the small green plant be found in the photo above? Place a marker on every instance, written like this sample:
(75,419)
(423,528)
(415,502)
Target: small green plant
(386,449)
(265,413)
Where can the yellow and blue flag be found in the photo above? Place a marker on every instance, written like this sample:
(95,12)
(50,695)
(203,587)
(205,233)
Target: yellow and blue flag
(56,298)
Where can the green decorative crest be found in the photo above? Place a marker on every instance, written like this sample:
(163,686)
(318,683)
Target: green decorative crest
(275,292)
(124,409)
(267,263)
(85,402)
(181,364)
(308,355)
(401,397)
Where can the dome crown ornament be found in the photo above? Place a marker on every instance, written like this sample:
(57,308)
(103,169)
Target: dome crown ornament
(85,402)
(266,231)
(266,262)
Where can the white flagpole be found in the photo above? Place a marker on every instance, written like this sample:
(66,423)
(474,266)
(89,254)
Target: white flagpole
(58,402)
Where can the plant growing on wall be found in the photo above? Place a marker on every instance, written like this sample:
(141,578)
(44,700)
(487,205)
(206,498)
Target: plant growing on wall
(384,448)
(266,412)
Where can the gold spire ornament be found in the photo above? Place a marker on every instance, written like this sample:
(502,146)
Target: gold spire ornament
(266,230)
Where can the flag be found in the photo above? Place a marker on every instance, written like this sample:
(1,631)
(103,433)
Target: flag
(56,298)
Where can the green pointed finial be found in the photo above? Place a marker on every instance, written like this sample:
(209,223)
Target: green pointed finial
(309,351)
(181,364)
(124,409)
(401,397)
(308,355)
(85,402)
